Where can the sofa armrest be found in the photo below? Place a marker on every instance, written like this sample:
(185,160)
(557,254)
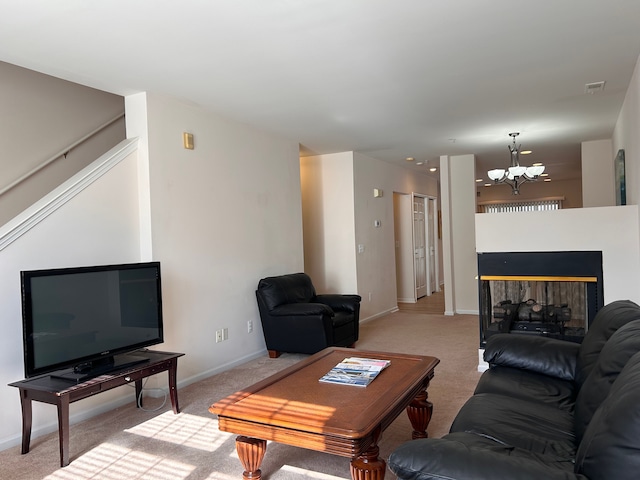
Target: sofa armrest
(347,303)
(444,458)
(302,310)
(549,356)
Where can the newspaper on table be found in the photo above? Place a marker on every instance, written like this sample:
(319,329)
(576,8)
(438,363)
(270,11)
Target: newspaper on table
(355,371)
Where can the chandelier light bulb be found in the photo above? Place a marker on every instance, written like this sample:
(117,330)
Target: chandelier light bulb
(517,171)
(496,174)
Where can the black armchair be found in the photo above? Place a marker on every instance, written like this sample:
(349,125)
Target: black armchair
(297,320)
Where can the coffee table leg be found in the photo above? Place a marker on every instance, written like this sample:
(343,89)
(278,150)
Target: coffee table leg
(368,466)
(420,411)
(251,452)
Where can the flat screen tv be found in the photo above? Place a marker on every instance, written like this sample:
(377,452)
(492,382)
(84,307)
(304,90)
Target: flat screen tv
(86,319)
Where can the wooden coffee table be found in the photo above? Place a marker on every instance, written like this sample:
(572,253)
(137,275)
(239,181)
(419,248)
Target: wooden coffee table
(294,408)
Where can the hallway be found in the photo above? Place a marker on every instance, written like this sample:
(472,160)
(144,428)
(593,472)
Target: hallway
(433,304)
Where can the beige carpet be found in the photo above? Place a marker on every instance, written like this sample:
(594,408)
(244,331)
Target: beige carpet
(128,443)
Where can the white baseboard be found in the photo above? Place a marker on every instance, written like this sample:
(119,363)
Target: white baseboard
(407,300)
(380,314)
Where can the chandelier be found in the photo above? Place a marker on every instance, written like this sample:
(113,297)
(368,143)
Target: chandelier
(515,175)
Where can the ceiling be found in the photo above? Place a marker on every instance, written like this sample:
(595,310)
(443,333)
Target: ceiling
(388,78)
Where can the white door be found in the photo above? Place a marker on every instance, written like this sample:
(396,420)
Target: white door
(432,281)
(420,246)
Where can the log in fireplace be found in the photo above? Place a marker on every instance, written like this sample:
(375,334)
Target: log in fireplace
(554,294)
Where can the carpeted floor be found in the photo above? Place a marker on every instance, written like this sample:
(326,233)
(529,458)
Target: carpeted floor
(128,443)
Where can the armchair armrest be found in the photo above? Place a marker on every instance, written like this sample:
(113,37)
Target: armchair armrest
(301,310)
(549,356)
(335,301)
(440,458)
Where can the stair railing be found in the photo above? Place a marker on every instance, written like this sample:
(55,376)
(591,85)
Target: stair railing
(64,152)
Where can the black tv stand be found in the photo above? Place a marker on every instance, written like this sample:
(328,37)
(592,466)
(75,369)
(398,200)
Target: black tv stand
(86,371)
(52,390)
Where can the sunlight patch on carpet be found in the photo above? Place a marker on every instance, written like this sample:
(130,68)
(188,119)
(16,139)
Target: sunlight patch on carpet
(112,462)
(183,429)
(311,474)
(224,476)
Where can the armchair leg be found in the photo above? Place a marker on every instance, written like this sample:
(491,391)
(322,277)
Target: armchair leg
(274,353)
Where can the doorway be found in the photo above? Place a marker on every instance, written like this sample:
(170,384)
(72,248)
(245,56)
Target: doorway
(415,219)
(425,251)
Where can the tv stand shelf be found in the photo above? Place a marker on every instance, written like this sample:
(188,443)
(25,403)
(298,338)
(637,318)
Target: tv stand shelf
(60,392)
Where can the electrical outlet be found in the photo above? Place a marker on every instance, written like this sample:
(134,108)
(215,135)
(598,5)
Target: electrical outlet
(218,336)
(249,326)
(225,334)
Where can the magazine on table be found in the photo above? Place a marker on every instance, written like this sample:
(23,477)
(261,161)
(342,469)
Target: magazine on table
(356,371)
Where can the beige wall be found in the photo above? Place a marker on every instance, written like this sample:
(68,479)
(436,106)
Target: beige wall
(41,116)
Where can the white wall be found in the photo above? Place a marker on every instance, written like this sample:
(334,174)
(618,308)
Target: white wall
(329,230)
(340,210)
(626,136)
(376,266)
(405,258)
(458,209)
(223,216)
(613,230)
(98,226)
(597,174)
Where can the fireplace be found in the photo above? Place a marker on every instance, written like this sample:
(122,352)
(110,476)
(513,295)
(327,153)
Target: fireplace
(553,294)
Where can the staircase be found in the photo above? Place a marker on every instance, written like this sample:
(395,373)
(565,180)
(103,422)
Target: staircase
(34,184)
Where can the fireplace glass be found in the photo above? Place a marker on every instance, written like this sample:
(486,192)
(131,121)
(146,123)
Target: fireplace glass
(554,294)
(547,306)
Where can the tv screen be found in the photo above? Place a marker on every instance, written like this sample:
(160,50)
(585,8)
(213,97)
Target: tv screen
(86,317)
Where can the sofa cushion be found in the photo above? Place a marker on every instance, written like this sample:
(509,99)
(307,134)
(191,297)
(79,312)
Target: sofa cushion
(610,447)
(549,356)
(608,319)
(529,425)
(622,345)
(471,456)
(526,385)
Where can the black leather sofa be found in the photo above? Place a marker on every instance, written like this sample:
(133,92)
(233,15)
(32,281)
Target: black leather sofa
(545,409)
(297,320)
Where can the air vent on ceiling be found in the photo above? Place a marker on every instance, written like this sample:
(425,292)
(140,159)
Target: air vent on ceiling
(594,87)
